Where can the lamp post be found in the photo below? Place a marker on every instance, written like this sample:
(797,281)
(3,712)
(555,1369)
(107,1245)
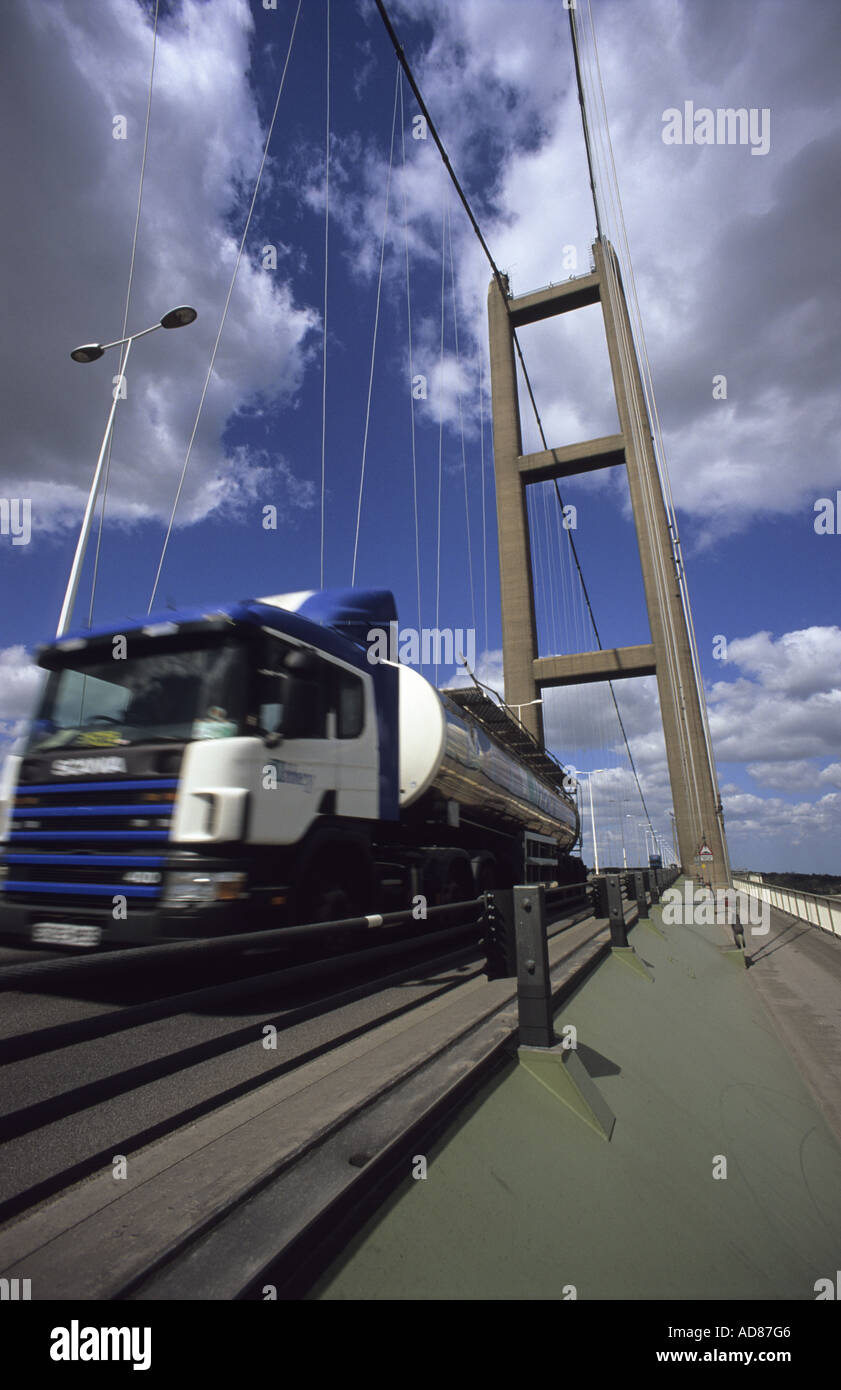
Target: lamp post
(91,352)
(636,847)
(590,776)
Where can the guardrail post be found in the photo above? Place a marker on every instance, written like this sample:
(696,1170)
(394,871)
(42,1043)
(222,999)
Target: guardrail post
(500,937)
(651,881)
(738,924)
(598,889)
(638,892)
(615,910)
(534,990)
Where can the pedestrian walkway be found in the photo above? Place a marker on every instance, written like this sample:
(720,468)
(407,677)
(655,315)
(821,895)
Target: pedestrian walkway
(722,1179)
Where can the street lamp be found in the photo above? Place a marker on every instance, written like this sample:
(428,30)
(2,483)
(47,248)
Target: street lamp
(636,847)
(91,352)
(591,775)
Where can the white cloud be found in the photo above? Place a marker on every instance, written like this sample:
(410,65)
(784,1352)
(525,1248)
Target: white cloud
(204,149)
(20,684)
(488,672)
(800,663)
(795,775)
(20,680)
(787,706)
(813,824)
(710,229)
(780,719)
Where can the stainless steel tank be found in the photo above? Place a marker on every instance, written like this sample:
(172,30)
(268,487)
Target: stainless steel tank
(443,747)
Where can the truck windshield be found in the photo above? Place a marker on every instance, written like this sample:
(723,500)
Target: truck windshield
(100,702)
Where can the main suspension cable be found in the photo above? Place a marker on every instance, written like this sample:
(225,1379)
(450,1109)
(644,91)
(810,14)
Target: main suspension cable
(503,288)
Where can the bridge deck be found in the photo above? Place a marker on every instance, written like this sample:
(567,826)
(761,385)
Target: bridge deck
(523,1200)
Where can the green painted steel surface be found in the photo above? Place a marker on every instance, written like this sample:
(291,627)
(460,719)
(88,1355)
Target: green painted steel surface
(524,1201)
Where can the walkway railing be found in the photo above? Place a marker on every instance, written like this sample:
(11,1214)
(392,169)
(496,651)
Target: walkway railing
(817,909)
(517,934)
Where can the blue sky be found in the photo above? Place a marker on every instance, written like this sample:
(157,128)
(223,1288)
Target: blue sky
(736,261)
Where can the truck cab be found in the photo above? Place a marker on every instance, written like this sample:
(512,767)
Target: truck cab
(179,774)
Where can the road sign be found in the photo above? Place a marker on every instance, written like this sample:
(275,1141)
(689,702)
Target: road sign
(705,853)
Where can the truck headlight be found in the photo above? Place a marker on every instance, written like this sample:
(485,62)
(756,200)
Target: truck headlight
(196,889)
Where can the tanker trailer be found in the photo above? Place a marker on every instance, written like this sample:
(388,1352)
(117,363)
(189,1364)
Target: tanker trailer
(202,772)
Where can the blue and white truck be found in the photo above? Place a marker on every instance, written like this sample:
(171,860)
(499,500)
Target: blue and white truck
(203,772)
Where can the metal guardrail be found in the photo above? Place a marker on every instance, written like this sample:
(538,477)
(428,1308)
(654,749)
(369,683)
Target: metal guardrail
(815,908)
(449,914)
(492,915)
(517,936)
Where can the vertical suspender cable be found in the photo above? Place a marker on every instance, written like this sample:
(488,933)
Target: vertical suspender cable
(411,357)
(179,490)
(440,430)
(376,329)
(324,339)
(461,421)
(125,349)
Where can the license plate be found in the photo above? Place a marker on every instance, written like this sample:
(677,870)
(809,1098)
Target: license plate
(62,934)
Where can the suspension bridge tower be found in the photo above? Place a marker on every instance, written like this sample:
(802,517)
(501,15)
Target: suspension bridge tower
(668,656)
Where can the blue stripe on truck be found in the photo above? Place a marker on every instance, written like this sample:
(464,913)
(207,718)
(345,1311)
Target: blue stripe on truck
(45,788)
(90,861)
(83,890)
(27,836)
(37,812)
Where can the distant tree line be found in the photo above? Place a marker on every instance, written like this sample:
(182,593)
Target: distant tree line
(827,884)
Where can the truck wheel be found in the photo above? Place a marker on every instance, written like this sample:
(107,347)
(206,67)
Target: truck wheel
(332,890)
(324,897)
(331,903)
(484,873)
(458,882)
(447,877)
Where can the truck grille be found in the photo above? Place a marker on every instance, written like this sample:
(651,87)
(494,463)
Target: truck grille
(74,845)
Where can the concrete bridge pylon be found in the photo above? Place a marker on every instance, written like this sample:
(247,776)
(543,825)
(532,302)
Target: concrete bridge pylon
(669,655)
